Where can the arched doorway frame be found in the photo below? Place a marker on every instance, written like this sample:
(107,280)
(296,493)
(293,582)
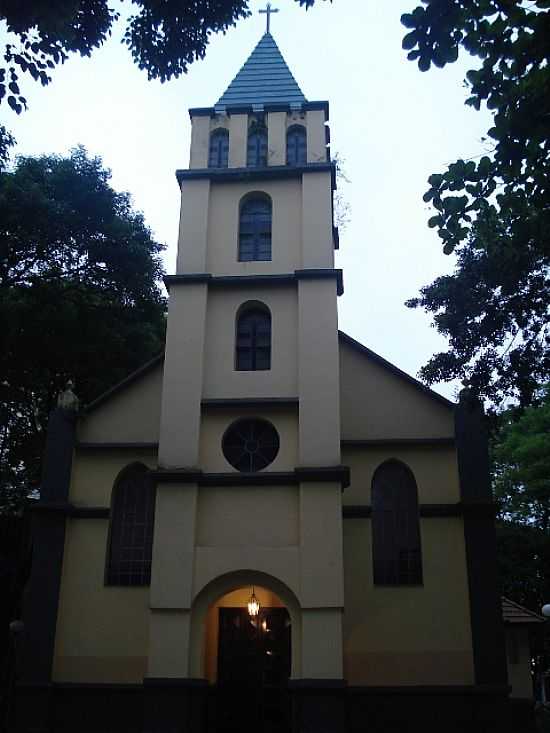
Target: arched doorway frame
(227,583)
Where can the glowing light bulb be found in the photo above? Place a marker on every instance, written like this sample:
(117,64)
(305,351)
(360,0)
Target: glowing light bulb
(253,605)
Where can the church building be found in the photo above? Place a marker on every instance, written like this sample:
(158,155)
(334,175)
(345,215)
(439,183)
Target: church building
(269,526)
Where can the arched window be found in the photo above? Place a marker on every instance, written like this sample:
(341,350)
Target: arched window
(131,532)
(397,555)
(255,229)
(218,153)
(256,153)
(253,338)
(296,145)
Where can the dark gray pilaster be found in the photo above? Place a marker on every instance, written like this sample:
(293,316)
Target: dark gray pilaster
(479,532)
(48,540)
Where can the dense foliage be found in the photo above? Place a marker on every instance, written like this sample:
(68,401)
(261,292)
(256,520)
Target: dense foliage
(78,298)
(521,472)
(493,212)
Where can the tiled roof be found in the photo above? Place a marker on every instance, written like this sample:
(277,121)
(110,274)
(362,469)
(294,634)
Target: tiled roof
(513,613)
(264,79)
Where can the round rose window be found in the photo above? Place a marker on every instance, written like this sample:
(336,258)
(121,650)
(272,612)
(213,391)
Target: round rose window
(250,444)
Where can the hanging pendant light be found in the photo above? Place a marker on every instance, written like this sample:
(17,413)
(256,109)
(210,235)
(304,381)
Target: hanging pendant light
(253,604)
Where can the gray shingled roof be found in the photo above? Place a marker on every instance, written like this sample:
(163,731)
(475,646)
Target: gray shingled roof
(513,613)
(264,79)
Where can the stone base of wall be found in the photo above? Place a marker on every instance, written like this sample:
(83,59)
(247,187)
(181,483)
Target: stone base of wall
(307,706)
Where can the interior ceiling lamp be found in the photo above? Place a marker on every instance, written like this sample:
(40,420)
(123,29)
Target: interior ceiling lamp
(253,604)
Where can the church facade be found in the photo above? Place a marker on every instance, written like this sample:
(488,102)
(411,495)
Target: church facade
(269,525)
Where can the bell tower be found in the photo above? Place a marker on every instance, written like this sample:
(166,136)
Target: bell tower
(250,406)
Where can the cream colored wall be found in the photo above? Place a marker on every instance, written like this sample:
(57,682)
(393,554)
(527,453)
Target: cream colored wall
(238,140)
(317,241)
(378,404)
(102,632)
(276,138)
(235,599)
(519,673)
(130,416)
(408,635)
(255,516)
(200,141)
(434,467)
(316,139)
(220,377)
(183,376)
(193,226)
(318,377)
(223,228)
(95,472)
(215,422)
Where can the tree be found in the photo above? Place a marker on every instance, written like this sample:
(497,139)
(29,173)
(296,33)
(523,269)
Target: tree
(78,298)
(493,212)
(521,458)
(521,480)
(164,38)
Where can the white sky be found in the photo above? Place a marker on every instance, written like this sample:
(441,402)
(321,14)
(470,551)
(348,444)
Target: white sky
(392,124)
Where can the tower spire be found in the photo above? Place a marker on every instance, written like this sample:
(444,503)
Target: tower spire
(268,10)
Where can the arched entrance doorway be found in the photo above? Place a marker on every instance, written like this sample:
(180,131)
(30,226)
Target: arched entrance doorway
(247,657)
(247,648)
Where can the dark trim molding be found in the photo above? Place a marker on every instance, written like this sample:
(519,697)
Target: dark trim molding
(480,543)
(481,510)
(116,446)
(246,280)
(336,237)
(272,172)
(392,368)
(241,109)
(66,509)
(333,474)
(251,402)
(404,442)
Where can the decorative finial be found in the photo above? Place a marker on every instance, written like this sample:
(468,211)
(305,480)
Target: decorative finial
(268,10)
(67,400)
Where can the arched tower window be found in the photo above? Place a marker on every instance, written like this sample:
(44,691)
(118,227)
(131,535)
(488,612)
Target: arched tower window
(131,533)
(253,338)
(395,526)
(255,229)
(256,153)
(218,153)
(296,145)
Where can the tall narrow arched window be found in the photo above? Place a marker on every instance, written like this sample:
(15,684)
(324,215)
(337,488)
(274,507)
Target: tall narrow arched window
(296,145)
(218,153)
(397,555)
(255,229)
(253,338)
(131,531)
(256,152)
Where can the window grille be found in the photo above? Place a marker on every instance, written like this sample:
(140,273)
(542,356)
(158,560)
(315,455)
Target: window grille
(255,229)
(253,340)
(218,154)
(395,526)
(131,531)
(250,444)
(296,145)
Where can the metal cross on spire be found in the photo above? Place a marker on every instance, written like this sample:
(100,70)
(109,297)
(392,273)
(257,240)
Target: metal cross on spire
(267,11)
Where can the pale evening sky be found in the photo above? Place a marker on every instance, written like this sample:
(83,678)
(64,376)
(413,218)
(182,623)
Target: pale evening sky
(392,124)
